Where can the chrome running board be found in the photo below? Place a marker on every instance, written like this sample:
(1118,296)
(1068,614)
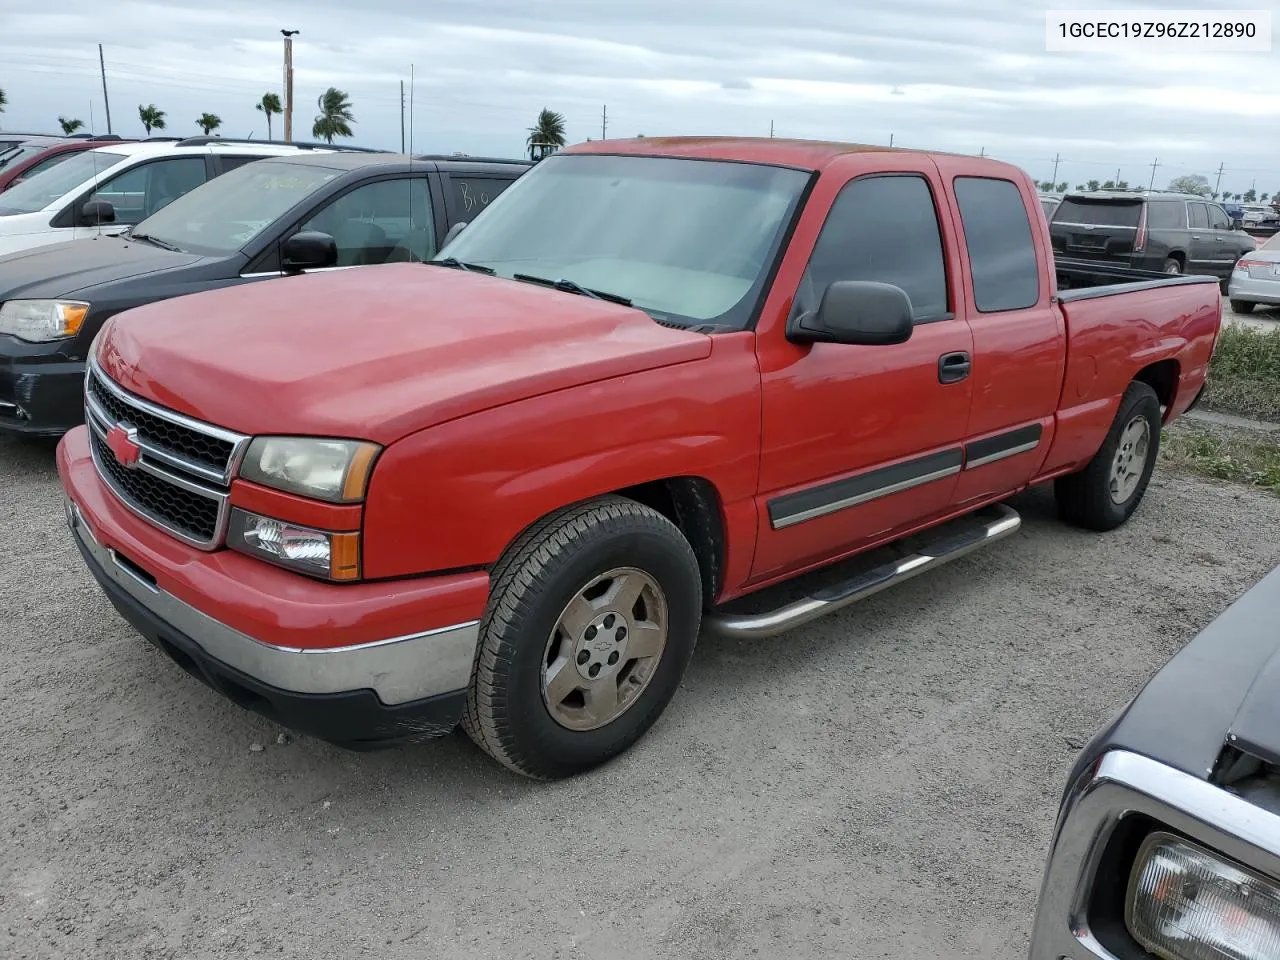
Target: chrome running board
(753,626)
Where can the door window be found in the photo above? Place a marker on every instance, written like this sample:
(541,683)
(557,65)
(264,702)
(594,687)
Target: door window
(885,229)
(997,234)
(1166,215)
(1218,218)
(380,222)
(473,194)
(142,190)
(1199,216)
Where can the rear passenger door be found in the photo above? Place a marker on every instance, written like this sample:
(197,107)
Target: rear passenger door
(1226,247)
(860,442)
(1204,252)
(1019,335)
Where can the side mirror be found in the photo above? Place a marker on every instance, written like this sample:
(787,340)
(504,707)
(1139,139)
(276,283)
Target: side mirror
(857,312)
(308,250)
(456,229)
(97,212)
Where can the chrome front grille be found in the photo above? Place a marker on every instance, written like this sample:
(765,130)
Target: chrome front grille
(178,476)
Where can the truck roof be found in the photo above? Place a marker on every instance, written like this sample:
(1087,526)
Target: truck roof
(802,154)
(399,162)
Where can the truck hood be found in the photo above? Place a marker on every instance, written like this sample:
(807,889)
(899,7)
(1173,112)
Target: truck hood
(66,269)
(1222,687)
(376,352)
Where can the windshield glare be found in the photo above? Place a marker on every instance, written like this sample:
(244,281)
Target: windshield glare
(684,240)
(51,185)
(221,216)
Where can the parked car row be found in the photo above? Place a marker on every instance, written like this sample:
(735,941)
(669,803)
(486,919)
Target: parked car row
(24,160)
(165,220)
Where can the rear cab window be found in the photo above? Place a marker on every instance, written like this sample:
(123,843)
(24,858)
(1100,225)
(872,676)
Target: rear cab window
(997,234)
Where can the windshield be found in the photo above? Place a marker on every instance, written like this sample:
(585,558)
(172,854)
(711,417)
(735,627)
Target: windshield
(51,185)
(685,240)
(227,212)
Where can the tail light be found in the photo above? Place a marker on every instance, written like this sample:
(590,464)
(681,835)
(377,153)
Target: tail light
(1244,263)
(1140,240)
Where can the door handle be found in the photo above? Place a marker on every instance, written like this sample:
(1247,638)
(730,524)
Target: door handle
(1219,239)
(1194,237)
(953,367)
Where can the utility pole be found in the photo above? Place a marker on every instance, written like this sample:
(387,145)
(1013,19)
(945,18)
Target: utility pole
(102,65)
(982,152)
(1154,163)
(1218,183)
(1056,160)
(402,116)
(891,139)
(604,122)
(770,129)
(288,84)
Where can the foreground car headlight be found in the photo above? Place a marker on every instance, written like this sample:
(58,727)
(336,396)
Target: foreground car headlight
(333,470)
(320,553)
(41,320)
(1187,903)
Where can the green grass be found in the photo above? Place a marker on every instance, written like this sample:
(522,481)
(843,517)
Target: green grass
(1244,377)
(1222,453)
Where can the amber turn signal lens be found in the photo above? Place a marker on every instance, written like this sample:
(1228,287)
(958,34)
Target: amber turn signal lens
(361,465)
(344,556)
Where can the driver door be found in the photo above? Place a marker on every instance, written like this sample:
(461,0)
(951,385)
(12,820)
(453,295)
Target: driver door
(861,442)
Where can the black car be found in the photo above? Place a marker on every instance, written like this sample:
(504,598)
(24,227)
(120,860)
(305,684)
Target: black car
(1167,843)
(265,219)
(1168,232)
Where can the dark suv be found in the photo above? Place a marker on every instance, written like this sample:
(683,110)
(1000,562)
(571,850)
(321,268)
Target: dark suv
(1169,232)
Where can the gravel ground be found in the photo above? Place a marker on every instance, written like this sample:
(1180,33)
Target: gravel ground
(880,784)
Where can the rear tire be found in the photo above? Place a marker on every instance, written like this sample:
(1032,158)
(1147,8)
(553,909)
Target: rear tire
(591,622)
(1108,490)
(1173,266)
(1242,306)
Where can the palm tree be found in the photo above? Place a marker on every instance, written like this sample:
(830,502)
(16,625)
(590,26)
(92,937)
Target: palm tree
(335,117)
(152,117)
(547,135)
(269,104)
(70,126)
(208,122)
(3,101)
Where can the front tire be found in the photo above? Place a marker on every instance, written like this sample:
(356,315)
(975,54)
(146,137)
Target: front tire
(591,622)
(1108,490)
(1242,306)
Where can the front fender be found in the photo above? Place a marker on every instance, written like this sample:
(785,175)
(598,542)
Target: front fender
(456,494)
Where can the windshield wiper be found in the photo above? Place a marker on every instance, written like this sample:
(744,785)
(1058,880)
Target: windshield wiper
(459,265)
(571,286)
(147,238)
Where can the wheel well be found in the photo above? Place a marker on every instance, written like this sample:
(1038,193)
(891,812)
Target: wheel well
(1161,377)
(693,505)
(1179,256)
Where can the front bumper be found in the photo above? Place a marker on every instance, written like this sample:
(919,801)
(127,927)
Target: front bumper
(40,396)
(353,690)
(1076,917)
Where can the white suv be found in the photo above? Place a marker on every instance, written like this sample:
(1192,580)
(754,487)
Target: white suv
(109,189)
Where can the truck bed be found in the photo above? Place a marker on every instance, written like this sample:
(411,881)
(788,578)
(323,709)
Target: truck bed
(1087,279)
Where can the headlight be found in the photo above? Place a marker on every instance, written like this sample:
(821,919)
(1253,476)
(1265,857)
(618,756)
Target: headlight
(334,556)
(42,320)
(333,470)
(1187,903)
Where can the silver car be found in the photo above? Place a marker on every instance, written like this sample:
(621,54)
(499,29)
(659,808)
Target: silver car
(1256,277)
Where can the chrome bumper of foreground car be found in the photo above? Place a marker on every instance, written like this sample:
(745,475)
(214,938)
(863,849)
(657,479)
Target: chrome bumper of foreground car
(398,669)
(1122,786)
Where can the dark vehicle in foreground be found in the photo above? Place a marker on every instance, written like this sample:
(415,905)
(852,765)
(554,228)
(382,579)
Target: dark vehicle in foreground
(36,156)
(652,381)
(285,215)
(1167,843)
(1167,232)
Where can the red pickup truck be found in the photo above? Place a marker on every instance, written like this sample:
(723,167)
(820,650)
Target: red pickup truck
(652,380)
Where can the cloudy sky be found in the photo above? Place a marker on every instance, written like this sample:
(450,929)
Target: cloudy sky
(944,74)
